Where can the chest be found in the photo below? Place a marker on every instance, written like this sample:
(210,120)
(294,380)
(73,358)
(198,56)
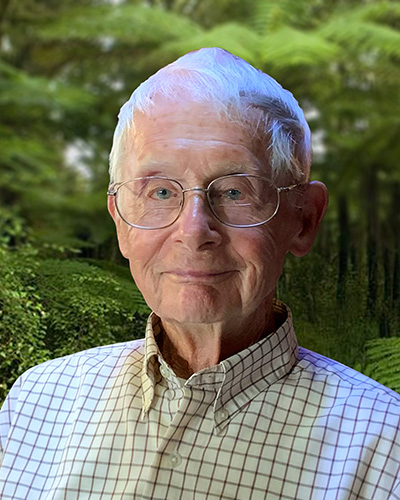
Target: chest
(270,447)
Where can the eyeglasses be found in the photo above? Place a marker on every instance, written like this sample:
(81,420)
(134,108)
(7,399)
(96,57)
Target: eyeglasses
(237,200)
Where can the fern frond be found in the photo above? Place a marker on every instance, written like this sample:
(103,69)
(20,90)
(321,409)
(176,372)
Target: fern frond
(125,23)
(360,36)
(236,38)
(383,12)
(25,150)
(383,361)
(19,88)
(290,47)
(271,15)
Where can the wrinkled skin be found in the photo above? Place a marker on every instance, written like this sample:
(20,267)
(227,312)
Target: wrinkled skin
(212,285)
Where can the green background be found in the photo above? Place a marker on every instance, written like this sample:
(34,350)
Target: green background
(67,66)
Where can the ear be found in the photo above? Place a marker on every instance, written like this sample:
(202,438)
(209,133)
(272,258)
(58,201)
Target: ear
(111,206)
(314,207)
(121,227)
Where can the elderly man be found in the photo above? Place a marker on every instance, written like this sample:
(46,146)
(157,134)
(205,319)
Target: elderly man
(209,191)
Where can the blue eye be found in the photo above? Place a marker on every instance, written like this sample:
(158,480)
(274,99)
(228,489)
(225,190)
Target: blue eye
(163,194)
(233,194)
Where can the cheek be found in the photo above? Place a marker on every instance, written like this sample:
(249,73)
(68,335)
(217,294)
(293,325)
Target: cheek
(263,256)
(123,237)
(149,251)
(142,251)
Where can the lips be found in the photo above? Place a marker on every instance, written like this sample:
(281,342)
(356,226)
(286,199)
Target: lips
(197,276)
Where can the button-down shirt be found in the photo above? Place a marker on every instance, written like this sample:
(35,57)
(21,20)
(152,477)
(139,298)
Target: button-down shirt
(272,422)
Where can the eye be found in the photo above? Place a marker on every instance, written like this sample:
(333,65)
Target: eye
(233,194)
(162,194)
(162,190)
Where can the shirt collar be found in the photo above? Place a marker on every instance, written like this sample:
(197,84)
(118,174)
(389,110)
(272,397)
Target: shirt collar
(238,378)
(150,364)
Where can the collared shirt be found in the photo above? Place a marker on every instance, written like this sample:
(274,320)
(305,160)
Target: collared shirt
(272,422)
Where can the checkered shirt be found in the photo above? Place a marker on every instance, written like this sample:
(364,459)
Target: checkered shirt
(272,422)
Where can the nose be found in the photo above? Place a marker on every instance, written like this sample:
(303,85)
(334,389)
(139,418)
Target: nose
(196,227)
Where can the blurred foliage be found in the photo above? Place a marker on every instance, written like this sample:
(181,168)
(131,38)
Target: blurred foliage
(66,68)
(51,307)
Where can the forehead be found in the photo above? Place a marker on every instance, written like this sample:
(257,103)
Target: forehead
(183,131)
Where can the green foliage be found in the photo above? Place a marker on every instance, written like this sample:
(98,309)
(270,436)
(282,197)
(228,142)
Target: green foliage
(87,306)
(382,361)
(308,286)
(34,110)
(13,229)
(133,24)
(54,307)
(236,38)
(22,330)
(65,69)
(289,47)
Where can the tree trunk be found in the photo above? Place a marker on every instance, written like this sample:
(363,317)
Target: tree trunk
(384,324)
(372,239)
(344,239)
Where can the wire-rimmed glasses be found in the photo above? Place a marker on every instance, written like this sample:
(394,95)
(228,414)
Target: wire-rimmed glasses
(236,200)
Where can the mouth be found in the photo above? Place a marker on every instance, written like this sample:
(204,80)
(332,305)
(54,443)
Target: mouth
(192,276)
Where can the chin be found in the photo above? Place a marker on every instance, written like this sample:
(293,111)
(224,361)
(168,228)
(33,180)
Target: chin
(186,319)
(194,302)
(199,308)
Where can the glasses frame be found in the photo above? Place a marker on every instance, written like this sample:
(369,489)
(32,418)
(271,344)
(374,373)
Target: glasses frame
(113,190)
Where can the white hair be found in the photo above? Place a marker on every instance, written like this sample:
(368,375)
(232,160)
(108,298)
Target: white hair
(234,88)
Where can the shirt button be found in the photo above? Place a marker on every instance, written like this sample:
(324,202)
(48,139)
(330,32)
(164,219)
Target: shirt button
(222,415)
(175,459)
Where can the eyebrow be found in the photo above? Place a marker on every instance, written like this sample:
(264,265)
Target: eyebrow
(154,168)
(240,168)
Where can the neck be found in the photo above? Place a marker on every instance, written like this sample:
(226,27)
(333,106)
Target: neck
(193,347)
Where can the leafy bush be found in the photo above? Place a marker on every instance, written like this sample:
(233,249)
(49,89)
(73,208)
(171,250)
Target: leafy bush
(53,307)
(382,361)
(88,306)
(22,327)
(309,286)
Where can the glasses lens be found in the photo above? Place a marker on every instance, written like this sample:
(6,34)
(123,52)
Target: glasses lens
(243,200)
(149,202)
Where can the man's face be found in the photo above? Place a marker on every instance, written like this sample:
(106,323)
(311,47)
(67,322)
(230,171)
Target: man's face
(198,270)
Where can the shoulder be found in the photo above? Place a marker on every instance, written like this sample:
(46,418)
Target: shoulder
(90,360)
(344,383)
(64,378)
(98,361)
(58,389)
